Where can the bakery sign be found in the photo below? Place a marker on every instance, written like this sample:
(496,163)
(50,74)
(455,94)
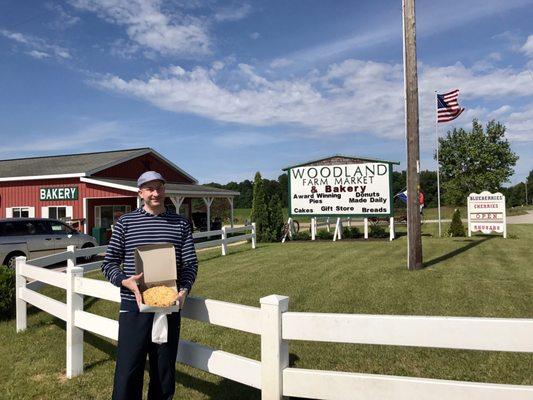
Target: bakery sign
(486,213)
(341,190)
(58,193)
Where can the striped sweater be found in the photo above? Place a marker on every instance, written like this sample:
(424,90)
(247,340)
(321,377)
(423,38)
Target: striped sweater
(140,228)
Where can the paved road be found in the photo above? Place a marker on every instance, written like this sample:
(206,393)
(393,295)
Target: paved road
(521,219)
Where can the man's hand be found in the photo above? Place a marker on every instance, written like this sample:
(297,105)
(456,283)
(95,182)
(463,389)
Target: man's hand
(131,284)
(182,295)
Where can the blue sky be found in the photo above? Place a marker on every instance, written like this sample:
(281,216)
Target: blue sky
(225,89)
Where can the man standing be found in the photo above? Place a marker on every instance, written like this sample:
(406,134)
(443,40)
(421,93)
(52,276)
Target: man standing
(148,224)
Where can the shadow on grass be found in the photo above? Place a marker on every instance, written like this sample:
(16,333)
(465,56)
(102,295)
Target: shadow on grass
(224,390)
(471,244)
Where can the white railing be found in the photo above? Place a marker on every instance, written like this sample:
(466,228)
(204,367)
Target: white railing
(224,238)
(276,326)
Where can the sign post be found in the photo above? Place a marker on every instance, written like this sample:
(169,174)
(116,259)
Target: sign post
(414,234)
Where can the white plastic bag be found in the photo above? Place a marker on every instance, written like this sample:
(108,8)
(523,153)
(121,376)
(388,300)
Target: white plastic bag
(160,328)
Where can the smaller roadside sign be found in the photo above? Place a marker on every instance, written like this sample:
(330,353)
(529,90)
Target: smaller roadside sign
(486,213)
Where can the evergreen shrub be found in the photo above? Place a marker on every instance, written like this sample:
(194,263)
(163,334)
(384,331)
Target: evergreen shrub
(377,231)
(457,228)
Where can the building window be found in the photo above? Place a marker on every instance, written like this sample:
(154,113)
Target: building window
(20,212)
(105,216)
(63,213)
(57,212)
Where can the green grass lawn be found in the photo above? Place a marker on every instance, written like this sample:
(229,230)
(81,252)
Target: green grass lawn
(484,276)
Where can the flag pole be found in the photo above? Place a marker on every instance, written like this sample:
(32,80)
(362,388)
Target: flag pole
(438,165)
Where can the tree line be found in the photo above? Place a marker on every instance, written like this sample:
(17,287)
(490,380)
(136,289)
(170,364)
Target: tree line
(470,161)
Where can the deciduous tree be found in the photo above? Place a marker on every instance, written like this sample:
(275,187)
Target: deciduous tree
(473,161)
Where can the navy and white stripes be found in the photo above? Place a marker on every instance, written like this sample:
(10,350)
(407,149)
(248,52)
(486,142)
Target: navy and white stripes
(139,228)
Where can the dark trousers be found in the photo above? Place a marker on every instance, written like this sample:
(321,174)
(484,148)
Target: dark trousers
(134,344)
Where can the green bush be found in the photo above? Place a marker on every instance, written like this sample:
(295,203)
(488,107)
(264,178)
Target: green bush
(351,232)
(324,234)
(377,231)
(456,228)
(304,235)
(260,210)
(7,292)
(275,218)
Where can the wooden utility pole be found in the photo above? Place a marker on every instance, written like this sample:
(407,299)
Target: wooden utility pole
(414,240)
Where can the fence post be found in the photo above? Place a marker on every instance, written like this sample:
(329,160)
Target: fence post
(22,307)
(274,350)
(254,235)
(366,228)
(74,303)
(338,230)
(391,229)
(224,236)
(313,228)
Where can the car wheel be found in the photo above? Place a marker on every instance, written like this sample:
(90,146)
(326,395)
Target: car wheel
(88,258)
(11,260)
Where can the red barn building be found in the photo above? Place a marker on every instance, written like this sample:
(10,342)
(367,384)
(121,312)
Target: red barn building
(94,189)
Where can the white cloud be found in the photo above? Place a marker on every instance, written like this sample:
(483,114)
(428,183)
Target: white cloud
(432,18)
(353,97)
(37,47)
(255,35)
(503,110)
(527,48)
(63,19)
(149,26)
(92,134)
(38,54)
(234,13)
(246,139)
(280,63)
(520,124)
(124,49)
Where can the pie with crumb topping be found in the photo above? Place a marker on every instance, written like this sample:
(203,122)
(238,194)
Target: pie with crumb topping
(160,296)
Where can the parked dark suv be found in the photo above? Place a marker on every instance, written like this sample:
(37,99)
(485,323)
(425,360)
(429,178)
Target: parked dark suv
(37,237)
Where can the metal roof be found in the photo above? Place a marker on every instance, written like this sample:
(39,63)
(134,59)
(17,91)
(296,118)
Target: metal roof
(64,164)
(340,156)
(189,190)
(69,164)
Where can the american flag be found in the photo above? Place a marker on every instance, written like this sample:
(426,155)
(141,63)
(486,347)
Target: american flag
(448,106)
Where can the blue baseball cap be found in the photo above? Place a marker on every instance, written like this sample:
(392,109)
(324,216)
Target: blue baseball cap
(149,176)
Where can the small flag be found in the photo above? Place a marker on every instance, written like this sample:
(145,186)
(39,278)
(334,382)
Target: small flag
(402,196)
(448,107)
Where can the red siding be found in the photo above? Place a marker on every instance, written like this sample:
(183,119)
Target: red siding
(26,193)
(133,168)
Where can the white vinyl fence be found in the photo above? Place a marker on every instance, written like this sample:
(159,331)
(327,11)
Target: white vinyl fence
(277,326)
(225,239)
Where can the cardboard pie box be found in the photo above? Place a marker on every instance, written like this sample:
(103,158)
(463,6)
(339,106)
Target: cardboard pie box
(157,262)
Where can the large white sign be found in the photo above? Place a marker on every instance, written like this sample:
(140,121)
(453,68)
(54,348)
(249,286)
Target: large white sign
(341,190)
(486,213)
